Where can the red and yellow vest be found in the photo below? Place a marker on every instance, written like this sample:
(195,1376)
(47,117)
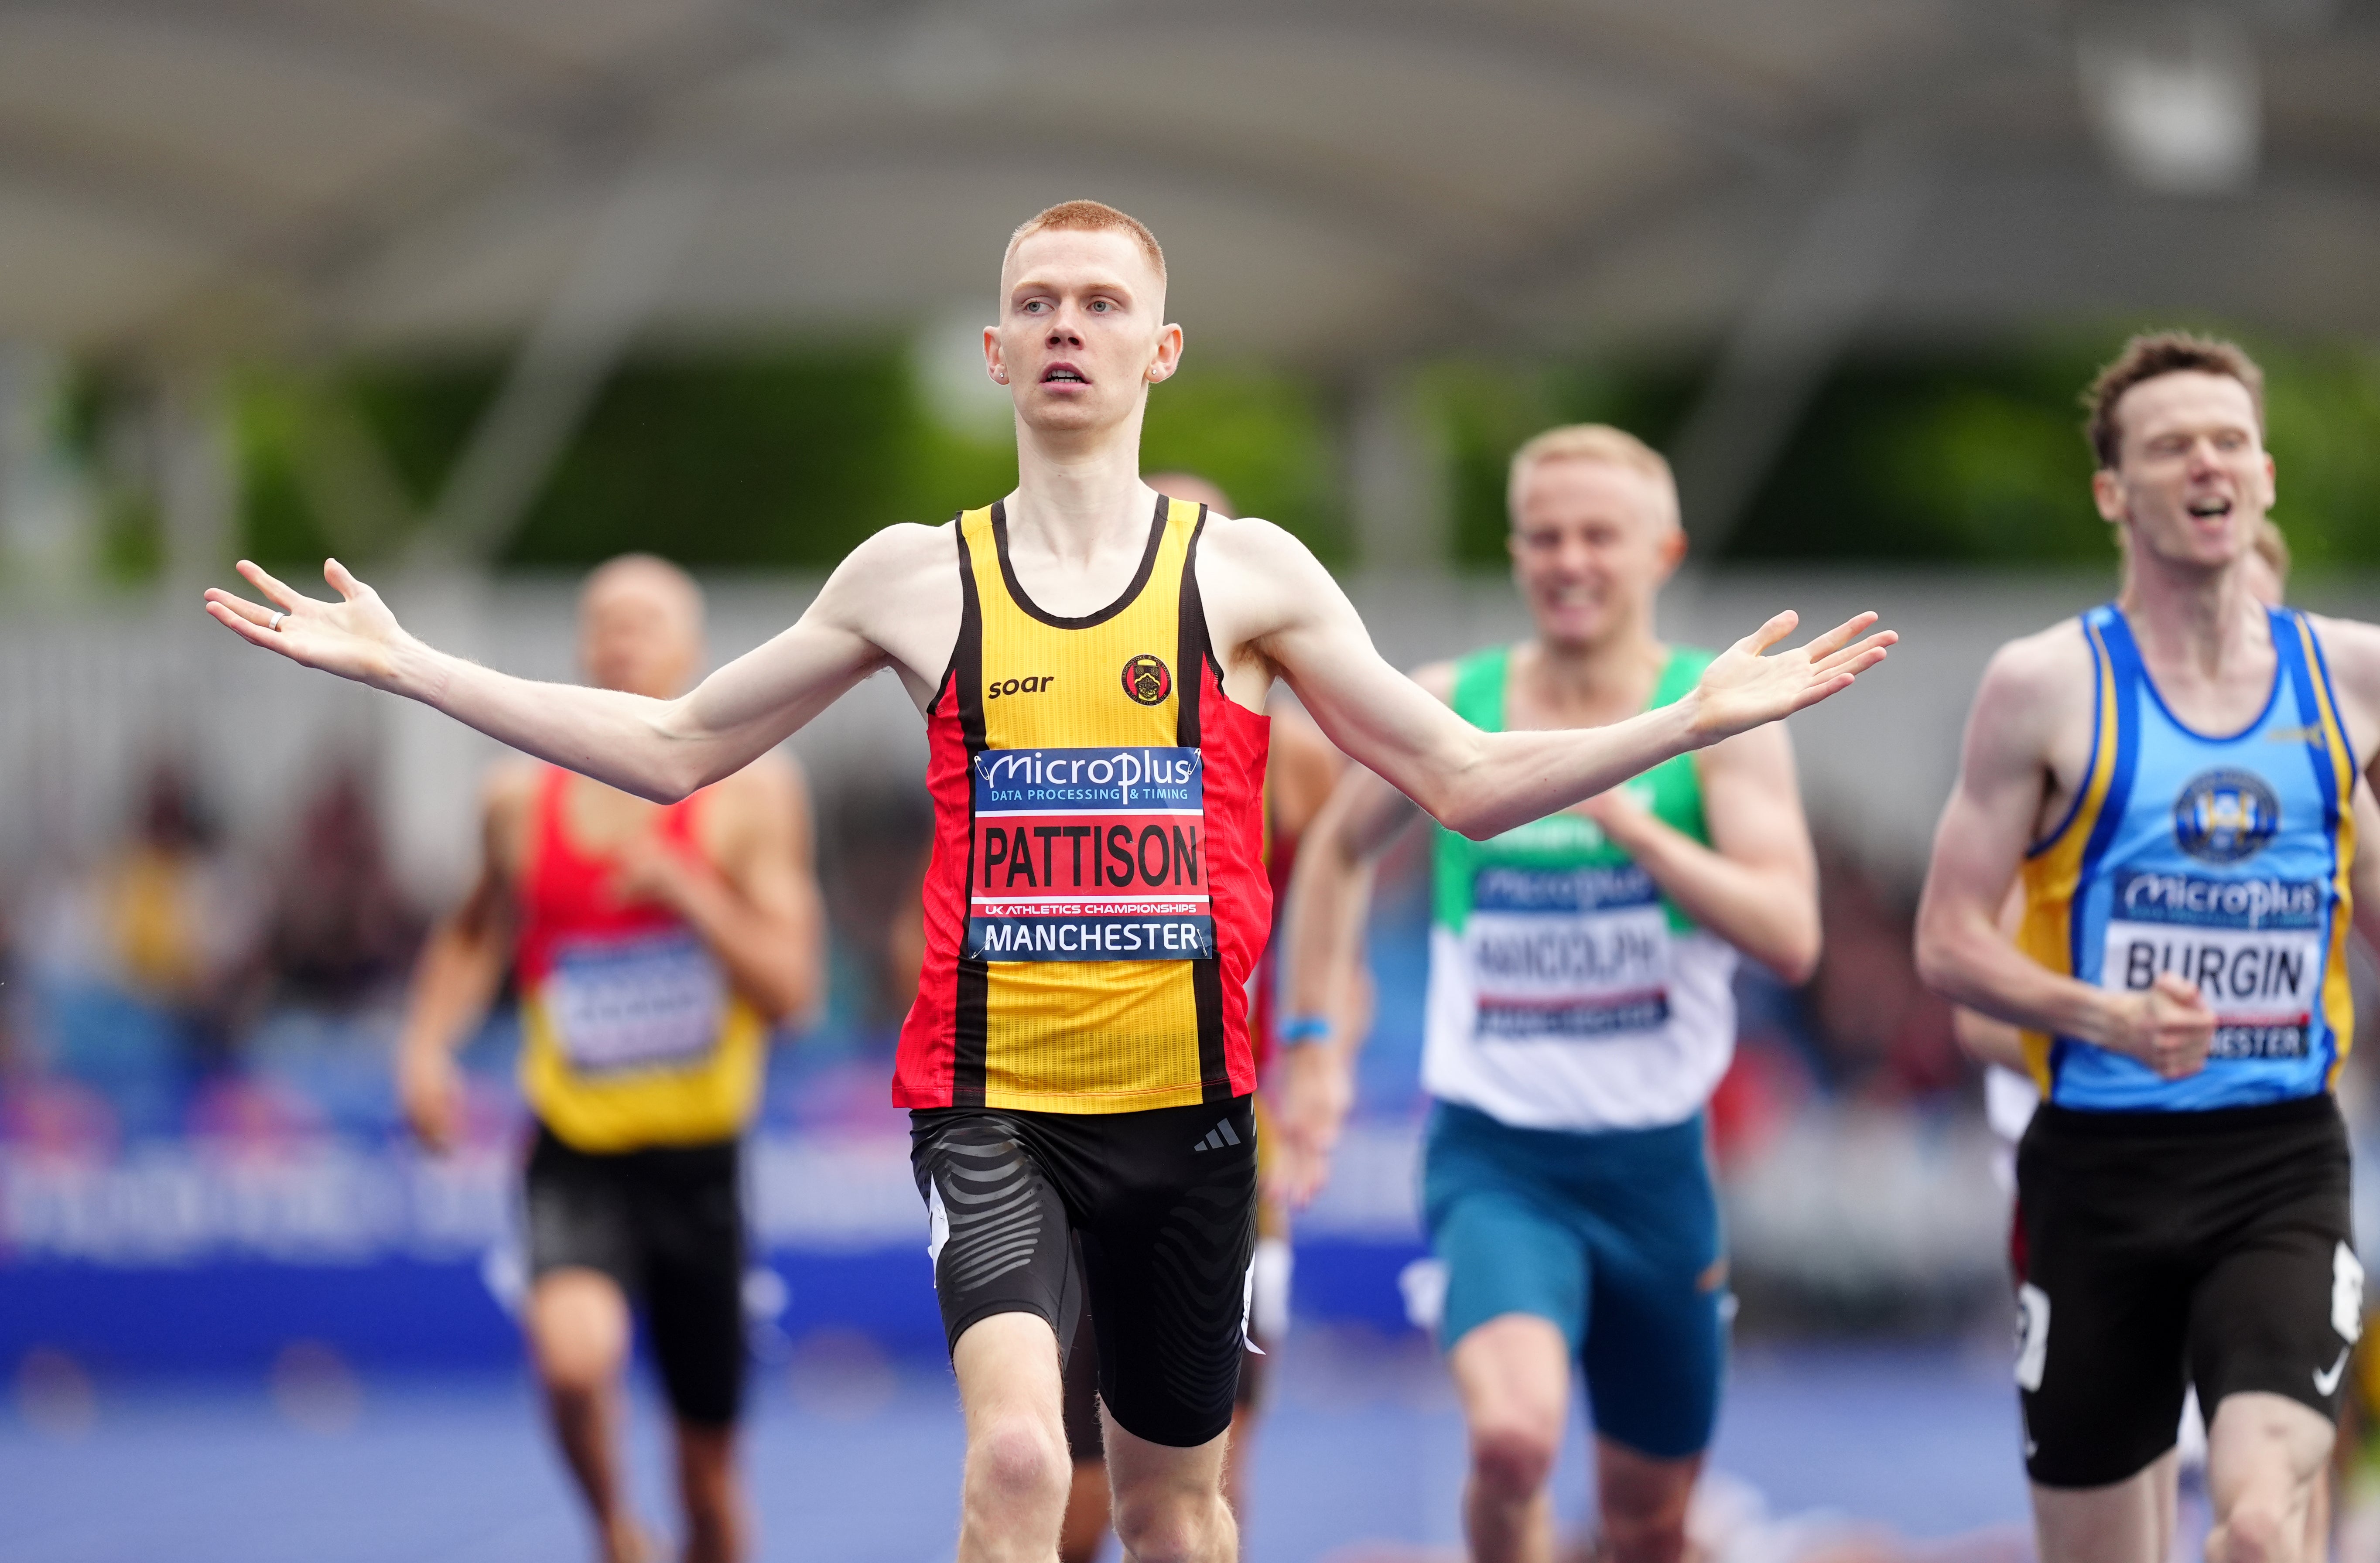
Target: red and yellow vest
(631,1035)
(1097,895)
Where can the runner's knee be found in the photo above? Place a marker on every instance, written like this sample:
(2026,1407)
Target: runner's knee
(1174,1525)
(578,1332)
(1652,1535)
(2258,1529)
(1513,1457)
(1020,1459)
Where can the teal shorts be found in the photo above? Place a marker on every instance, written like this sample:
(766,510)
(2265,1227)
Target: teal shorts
(1613,1237)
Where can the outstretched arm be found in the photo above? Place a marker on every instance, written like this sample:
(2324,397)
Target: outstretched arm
(1962,953)
(1266,586)
(658,749)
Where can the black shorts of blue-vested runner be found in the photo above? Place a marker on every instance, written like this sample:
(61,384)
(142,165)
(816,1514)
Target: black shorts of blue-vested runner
(1148,1217)
(667,1225)
(2167,1249)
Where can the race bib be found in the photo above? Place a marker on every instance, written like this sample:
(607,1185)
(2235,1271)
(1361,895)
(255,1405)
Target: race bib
(1090,854)
(1574,955)
(643,1001)
(2254,948)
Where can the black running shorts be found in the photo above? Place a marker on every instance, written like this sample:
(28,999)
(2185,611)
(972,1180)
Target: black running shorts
(1086,1439)
(2165,1249)
(1147,1216)
(667,1225)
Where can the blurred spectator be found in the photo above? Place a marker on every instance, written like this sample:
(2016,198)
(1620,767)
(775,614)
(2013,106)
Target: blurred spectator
(1880,1033)
(166,922)
(342,933)
(161,899)
(47,1119)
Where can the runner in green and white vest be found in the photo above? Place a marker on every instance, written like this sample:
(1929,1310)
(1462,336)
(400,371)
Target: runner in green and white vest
(1580,1014)
(1551,936)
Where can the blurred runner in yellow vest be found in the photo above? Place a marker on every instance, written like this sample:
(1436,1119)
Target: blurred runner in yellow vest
(654,946)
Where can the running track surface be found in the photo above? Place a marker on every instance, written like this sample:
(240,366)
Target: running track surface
(855,1461)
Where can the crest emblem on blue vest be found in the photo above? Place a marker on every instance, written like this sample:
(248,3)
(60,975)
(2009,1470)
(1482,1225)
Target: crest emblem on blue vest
(2225,816)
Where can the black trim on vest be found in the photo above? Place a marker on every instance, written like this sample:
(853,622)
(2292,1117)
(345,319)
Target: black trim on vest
(1214,1060)
(1190,652)
(1192,656)
(1088,621)
(971,1001)
(966,607)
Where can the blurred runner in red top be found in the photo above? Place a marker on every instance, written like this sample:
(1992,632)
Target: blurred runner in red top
(654,945)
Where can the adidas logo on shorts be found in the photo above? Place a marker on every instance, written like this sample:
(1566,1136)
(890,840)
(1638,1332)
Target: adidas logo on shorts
(1217,1138)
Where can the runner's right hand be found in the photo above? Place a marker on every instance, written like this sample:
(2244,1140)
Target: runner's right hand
(2168,1027)
(356,637)
(429,1087)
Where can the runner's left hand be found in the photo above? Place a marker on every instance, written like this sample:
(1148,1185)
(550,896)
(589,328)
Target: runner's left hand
(1313,1088)
(1745,687)
(429,1087)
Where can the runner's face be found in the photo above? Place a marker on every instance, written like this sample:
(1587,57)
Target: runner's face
(1082,333)
(1592,542)
(635,635)
(2191,479)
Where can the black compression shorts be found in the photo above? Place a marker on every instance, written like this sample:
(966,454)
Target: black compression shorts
(1086,1439)
(1149,1216)
(2170,1248)
(667,1225)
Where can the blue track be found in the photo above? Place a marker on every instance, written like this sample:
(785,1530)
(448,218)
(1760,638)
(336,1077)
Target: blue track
(855,1461)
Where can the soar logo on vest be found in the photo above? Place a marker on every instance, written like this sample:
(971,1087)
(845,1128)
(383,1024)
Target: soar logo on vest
(1147,680)
(2225,816)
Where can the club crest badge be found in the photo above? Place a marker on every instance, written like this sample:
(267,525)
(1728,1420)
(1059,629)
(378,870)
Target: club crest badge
(1147,680)
(2225,816)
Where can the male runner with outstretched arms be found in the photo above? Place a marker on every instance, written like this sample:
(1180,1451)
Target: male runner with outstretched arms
(1300,768)
(1579,1015)
(2172,776)
(1090,663)
(655,947)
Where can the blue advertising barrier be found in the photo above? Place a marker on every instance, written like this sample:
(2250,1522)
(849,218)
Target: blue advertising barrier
(185,1257)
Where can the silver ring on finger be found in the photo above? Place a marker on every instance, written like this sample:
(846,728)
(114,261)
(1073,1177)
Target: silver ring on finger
(275,625)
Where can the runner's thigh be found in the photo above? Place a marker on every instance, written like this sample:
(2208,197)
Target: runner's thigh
(2103,1315)
(1168,1200)
(998,1234)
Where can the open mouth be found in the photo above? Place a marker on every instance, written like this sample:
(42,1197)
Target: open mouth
(1063,374)
(2209,508)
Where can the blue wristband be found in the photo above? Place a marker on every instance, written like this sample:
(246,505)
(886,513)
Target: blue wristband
(1299,1030)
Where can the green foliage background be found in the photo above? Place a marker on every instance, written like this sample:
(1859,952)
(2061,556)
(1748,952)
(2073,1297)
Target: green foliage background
(784,459)
(786,456)
(1938,458)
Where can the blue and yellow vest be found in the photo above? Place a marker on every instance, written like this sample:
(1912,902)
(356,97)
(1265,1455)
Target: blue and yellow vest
(2223,860)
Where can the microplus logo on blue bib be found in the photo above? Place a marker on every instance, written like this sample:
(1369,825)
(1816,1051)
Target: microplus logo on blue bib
(2225,816)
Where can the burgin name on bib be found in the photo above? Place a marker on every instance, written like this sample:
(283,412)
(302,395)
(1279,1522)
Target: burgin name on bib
(2254,948)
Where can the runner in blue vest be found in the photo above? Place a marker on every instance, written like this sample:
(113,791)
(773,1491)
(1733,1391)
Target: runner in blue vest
(1580,1012)
(2171,779)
